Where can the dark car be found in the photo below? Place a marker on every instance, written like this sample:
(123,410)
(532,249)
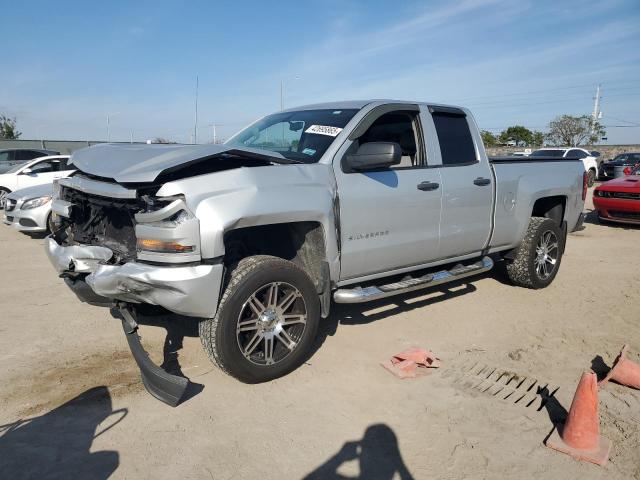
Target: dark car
(629,159)
(15,156)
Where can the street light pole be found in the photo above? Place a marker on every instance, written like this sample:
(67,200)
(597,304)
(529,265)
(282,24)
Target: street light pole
(109,115)
(195,126)
(295,77)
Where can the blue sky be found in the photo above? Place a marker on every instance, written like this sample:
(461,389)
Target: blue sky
(67,65)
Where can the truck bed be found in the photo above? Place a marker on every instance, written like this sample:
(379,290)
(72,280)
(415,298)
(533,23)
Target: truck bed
(520,182)
(521,159)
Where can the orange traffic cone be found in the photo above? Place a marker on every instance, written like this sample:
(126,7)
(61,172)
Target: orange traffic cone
(580,434)
(624,371)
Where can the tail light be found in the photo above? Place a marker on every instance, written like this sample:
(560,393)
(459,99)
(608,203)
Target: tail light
(585,185)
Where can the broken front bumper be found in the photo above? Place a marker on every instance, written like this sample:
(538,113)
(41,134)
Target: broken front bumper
(186,290)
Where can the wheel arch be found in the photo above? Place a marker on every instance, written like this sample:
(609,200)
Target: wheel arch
(552,207)
(302,242)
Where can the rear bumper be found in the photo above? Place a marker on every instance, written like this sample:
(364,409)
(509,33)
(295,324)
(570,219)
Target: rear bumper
(187,290)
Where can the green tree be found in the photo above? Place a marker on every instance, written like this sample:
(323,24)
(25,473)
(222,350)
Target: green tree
(488,138)
(8,130)
(518,134)
(572,131)
(537,139)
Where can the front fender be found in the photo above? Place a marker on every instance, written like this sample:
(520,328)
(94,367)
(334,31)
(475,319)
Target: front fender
(247,197)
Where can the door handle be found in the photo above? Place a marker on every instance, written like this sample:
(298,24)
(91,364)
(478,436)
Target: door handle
(481,182)
(427,186)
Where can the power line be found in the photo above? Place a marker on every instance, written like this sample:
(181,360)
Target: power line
(571,87)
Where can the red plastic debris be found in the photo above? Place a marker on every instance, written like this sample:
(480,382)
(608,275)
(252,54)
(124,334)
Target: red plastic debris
(412,362)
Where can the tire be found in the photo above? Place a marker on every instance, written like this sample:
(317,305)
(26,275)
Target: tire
(591,178)
(527,269)
(50,226)
(3,195)
(233,350)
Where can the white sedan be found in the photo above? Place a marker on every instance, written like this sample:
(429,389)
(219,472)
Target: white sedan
(29,209)
(39,171)
(588,158)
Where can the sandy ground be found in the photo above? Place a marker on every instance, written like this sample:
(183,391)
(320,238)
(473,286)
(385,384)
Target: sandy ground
(71,403)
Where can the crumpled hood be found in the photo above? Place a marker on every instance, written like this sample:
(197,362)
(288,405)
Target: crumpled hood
(136,163)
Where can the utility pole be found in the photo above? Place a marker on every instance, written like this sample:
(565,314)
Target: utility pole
(281,95)
(295,77)
(195,126)
(109,115)
(597,114)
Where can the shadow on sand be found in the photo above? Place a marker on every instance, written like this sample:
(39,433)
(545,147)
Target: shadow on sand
(57,444)
(377,454)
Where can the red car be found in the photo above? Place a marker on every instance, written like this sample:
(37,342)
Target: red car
(619,200)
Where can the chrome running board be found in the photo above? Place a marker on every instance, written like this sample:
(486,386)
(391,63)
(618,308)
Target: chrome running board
(367,294)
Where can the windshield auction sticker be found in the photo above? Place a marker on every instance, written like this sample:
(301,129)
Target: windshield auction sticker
(323,130)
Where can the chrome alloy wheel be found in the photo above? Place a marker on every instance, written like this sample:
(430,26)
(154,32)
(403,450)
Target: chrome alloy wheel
(546,254)
(271,323)
(3,198)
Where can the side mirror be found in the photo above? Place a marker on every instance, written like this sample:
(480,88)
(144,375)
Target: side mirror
(373,156)
(26,171)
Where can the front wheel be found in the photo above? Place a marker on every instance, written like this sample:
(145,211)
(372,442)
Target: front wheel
(266,321)
(538,257)
(3,197)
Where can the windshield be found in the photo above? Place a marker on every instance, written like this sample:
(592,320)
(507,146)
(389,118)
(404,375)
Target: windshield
(547,153)
(302,136)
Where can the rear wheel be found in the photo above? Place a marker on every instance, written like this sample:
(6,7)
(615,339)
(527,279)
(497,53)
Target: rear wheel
(591,177)
(266,321)
(538,257)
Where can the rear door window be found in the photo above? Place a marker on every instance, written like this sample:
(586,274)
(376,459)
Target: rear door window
(454,135)
(575,153)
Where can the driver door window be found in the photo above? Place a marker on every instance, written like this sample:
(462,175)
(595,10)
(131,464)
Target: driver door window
(400,128)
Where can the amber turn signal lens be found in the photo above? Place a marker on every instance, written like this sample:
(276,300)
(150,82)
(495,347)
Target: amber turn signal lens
(160,246)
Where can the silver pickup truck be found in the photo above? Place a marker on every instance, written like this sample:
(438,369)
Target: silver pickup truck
(351,201)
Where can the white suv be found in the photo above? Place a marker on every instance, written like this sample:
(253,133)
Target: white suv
(36,172)
(588,158)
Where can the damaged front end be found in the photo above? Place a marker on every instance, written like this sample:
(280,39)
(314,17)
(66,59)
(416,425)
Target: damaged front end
(131,249)
(116,248)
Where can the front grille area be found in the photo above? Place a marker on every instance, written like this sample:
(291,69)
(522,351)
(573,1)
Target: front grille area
(629,215)
(103,221)
(10,205)
(622,195)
